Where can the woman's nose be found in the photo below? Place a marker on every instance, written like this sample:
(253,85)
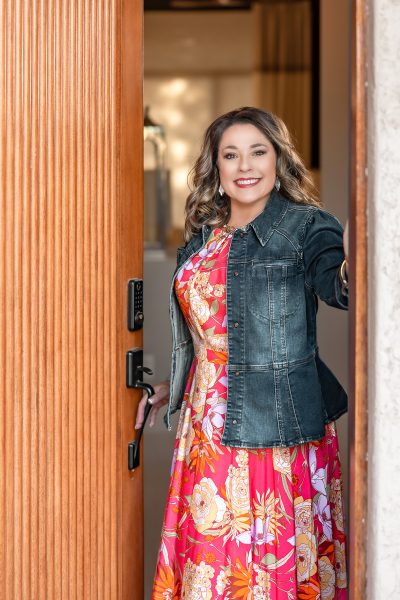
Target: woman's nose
(244,164)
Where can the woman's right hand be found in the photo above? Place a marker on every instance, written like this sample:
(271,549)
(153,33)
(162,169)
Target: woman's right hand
(159,399)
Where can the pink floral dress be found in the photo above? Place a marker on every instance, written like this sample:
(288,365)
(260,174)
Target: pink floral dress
(242,524)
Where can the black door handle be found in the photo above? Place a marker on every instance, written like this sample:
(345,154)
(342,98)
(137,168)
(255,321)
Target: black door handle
(134,375)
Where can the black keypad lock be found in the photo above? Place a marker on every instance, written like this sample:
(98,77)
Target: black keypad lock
(135,304)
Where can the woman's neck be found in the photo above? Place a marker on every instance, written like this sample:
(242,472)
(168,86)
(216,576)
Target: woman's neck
(241,215)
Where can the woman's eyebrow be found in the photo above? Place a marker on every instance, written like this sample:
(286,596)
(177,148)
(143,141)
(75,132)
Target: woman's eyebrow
(252,146)
(259,144)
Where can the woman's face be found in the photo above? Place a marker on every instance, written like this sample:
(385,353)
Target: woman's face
(247,164)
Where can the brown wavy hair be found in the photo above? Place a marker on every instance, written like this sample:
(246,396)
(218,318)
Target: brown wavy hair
(205,205)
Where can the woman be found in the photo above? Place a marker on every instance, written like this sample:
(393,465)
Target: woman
(255,506)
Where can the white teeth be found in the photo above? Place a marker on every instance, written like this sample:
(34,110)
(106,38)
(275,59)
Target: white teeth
(247,181)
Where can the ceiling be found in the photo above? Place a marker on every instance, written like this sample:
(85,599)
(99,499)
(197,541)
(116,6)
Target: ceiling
(196,4)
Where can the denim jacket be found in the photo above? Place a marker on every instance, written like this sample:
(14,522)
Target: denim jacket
(280,392)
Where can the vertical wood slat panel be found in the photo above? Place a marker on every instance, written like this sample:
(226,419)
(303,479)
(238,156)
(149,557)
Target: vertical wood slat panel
(25,162)
(60,242)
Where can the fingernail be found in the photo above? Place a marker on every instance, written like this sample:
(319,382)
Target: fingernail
(150,401)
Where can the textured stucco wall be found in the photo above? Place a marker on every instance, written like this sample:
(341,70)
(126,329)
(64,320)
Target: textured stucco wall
(384,300)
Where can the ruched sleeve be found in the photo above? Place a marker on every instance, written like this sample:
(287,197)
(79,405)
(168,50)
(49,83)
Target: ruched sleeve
(323,255)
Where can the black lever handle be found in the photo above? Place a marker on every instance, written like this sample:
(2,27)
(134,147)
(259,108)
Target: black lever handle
(134,374)
(134,447)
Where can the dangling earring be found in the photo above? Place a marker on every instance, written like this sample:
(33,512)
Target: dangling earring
(277,184)
(221,190)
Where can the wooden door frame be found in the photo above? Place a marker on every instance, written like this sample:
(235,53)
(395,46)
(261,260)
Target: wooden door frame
(358,310)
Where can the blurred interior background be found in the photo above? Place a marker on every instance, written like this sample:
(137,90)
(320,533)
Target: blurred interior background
(203,58)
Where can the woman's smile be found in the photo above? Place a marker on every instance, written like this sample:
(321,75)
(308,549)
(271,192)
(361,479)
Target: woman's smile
(244,183)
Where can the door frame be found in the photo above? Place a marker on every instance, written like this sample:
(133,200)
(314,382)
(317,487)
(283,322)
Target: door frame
(358,308)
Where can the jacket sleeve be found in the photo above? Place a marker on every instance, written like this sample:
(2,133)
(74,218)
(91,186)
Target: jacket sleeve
(323,255)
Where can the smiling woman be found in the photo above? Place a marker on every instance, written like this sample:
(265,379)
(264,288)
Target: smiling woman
(255,504)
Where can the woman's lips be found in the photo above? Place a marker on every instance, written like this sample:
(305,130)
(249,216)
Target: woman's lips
(245,183)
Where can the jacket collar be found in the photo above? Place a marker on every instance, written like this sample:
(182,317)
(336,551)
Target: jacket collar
(265,223)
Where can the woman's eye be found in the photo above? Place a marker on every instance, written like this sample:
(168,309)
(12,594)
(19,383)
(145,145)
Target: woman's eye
(231,155)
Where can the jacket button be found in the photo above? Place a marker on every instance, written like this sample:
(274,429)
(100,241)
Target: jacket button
(237,373)
(234,422)
(236,324)
(236,273)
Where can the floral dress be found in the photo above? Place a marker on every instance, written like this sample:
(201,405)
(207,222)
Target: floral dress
(242,524)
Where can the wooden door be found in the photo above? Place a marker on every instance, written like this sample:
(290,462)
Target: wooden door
(70,238)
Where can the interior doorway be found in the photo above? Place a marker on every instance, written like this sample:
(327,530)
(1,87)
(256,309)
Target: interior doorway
(291,57)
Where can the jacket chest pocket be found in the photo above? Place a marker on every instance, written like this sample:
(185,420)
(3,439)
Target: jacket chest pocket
(274,290)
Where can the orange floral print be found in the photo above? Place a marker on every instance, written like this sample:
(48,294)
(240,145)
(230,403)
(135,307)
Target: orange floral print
(166,586)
